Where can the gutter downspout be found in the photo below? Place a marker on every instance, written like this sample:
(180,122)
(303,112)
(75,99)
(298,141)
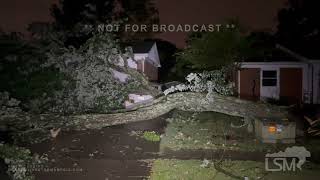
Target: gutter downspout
(312,78)
(143,61)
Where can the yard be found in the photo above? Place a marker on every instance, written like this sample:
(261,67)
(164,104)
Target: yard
(185,143)
(194,169)
(218,151)
(210,130)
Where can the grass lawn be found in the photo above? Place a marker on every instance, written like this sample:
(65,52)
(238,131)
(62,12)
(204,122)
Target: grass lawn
(176,169)
(210,130)
(191,169)
(173,169)
(151,136)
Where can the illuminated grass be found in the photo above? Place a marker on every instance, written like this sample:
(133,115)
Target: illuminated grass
(151,136)
(164,169)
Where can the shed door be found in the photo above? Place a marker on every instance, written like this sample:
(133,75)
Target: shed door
(291,85)
(250,83)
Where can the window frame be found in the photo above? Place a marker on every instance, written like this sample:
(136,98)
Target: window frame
(273,78)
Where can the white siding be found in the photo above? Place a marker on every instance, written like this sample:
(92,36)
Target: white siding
(154,55)
(140,56)
(270,91)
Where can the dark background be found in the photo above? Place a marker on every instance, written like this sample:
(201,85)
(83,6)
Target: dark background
(253,14)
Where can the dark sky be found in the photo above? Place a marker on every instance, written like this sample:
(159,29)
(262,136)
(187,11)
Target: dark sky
(253,14)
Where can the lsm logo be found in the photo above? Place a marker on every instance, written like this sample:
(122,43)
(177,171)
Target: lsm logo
(290,160)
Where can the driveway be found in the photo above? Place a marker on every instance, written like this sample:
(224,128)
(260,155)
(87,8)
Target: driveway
(115,152)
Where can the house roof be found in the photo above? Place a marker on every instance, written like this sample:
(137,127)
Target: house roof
(142,47)
(275,56)
(280,54)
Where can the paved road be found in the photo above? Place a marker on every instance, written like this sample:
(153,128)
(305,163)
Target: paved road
(110,153)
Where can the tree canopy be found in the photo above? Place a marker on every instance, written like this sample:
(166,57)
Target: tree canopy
(213,50)
(299,27)
(72,15)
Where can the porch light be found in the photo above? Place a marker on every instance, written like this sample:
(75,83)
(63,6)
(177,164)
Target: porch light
(272,129)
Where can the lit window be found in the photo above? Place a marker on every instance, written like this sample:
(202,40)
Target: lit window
(269,78)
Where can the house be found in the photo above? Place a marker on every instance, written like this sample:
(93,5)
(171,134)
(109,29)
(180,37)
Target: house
(287,81)
(146,59)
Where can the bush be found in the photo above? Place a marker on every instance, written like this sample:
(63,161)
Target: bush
(21,73)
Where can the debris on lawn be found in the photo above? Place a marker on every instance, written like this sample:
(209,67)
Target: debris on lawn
(314,129)
(135,133)
(205,163)
(54,132)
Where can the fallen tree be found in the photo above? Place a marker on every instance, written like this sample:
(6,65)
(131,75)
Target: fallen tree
(39,126)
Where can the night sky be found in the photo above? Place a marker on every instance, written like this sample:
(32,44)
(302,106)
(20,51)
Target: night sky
(253,14)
